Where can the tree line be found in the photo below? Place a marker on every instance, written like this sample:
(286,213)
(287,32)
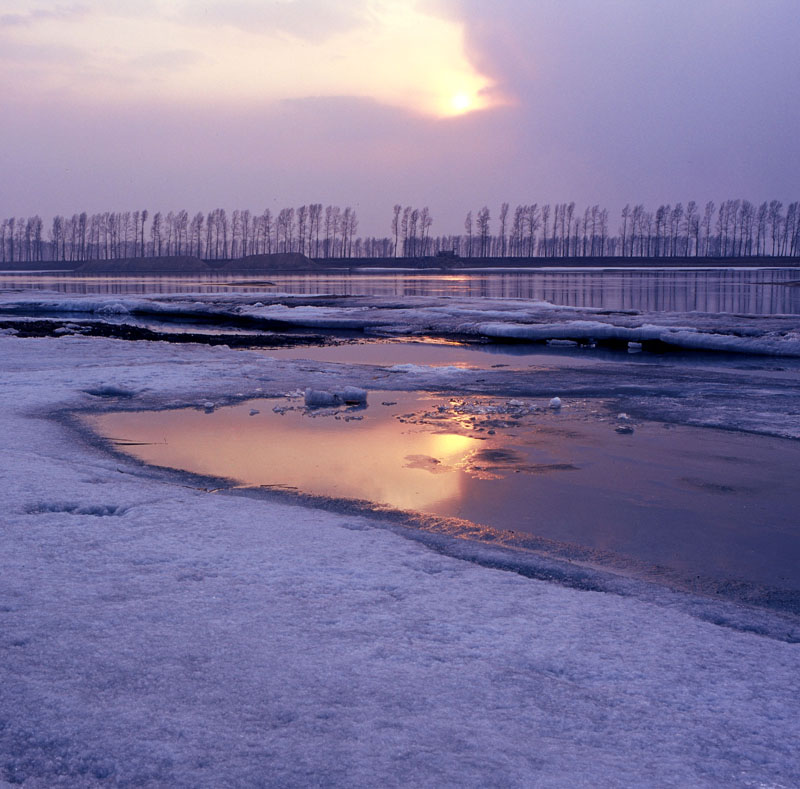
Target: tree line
(309,230)
(737,228)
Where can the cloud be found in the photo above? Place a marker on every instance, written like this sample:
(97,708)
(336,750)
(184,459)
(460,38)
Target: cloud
(246,104)
(311,20)
(169,59)
(391,51)
(27,18)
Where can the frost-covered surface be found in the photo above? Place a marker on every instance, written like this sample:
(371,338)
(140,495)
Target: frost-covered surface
(155,634)
(503,319)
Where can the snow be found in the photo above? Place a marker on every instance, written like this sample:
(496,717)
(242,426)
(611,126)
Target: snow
(156,630)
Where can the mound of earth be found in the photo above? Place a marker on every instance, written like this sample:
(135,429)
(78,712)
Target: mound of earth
(183,264)
(284,261)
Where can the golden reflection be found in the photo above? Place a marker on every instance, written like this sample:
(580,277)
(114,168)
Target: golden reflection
(451,447)
(364,458)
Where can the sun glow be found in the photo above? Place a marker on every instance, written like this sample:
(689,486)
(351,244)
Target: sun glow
(461,103)
(395,52)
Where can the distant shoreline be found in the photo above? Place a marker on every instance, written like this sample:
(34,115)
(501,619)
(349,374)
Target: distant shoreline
(288,264)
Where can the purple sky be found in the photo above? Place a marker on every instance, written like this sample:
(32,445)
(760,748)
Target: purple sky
(169,104)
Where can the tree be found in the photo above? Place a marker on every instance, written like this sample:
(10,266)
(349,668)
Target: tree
(545,220)
(425,223)
(468,228)
(661,222)
(143,214)
(396,225)
(302,219)
(676,217)
(482,222)
(266,226)
(503,221)
(570,212)
(691,226)
(413,218)
(626,212)
(775,221)
(708,216)
(534,220)
(404,222)
(515,242)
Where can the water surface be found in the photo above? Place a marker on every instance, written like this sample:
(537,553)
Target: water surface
(750,291)
(711,507)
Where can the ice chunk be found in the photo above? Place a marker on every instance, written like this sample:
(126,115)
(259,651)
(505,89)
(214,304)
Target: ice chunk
(352,395)
(562,343)
(209,406)
(322,398)
(555,403)
(319,398)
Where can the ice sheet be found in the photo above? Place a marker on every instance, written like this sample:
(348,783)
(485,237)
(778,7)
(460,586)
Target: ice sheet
(517,319)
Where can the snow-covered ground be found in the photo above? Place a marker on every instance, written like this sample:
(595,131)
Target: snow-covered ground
(153,633)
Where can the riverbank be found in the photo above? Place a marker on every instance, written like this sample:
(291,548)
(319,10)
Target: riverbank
(156,632)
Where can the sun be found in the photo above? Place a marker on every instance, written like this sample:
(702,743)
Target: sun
(461,102)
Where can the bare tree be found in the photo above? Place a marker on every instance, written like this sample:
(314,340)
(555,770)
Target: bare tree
(690,227)
(626,212)
(775,222)
(468,228)
(503,221)
(708,217)
(534,220)
(425,223)
(396,225)
(302,219)
(482,224)
(545,221)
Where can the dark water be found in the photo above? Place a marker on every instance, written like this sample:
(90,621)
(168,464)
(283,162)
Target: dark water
(707,507)
(751,291)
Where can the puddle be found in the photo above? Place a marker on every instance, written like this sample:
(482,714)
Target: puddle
(702,503)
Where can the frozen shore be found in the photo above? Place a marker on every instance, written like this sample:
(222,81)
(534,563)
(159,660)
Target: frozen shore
(155,634)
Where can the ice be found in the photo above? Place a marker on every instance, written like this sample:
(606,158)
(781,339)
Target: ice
(349,395)
(318,398)
(497,319)
(555,403)
(439,371)
(352,395)
(154,633)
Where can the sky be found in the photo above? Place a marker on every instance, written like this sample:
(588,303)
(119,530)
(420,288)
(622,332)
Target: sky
(451,104)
